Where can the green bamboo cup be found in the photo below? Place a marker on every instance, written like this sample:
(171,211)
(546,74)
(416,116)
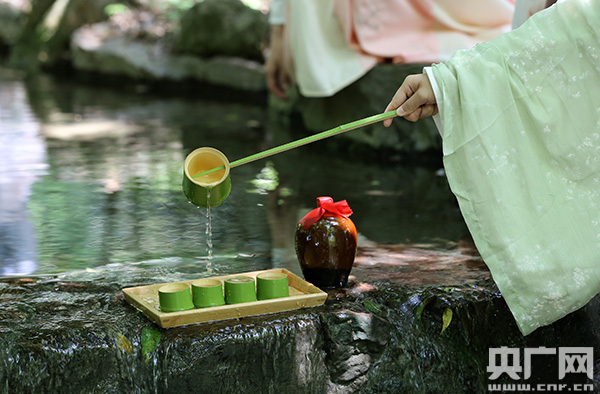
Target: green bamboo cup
(175,297)
(240,289)
(208,190)
(272,285)
(207,293)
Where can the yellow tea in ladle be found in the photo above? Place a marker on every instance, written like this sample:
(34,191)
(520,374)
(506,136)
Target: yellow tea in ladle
(202,164)
(213,187)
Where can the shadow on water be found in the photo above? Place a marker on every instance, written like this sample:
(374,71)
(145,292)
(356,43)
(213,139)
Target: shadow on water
(91,176)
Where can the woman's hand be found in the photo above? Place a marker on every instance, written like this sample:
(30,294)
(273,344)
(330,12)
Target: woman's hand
(414,99)
(277,74)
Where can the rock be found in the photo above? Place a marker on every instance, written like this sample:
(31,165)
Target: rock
(382,334)
(365,97)
(101,48)
(235,72)
(354,344)
(222,28)
(12,16)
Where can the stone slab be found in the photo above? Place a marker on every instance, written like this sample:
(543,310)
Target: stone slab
(101,48)
(382,334)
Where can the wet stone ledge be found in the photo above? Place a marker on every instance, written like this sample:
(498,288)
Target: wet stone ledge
(385,333)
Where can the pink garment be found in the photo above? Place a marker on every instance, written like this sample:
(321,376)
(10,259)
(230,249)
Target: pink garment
(421,31)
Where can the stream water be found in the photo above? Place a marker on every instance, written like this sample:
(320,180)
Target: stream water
(91,176)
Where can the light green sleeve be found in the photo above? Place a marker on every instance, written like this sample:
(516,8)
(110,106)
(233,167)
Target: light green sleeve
(521,142)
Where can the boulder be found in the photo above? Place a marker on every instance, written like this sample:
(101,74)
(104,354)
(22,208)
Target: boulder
(222,28)
(102,48)
(412,320)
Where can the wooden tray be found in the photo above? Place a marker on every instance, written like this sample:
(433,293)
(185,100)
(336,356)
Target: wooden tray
(302,294)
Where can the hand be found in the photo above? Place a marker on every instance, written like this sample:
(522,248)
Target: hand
(414,99)
(277,74)
(537,6)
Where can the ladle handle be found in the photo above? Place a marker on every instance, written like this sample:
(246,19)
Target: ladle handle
(307,140)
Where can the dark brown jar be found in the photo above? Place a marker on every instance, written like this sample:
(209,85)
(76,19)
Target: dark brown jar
(326,249)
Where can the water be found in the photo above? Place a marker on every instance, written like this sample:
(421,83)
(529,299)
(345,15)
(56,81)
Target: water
(209,244)
(90,176)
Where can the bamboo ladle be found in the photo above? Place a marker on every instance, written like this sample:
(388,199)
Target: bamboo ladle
(307,140)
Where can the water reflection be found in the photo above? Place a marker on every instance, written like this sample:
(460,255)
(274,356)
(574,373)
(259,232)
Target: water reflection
(22,160)
(92,177)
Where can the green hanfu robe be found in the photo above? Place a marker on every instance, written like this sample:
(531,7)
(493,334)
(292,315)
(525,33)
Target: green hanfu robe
(520,123)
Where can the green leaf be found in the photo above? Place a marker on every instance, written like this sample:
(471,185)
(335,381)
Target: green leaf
(114,9)
(150,339)
(124,343)
(446,319)
(422,306)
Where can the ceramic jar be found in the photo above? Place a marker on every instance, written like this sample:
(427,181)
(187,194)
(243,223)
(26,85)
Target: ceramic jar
(326,243)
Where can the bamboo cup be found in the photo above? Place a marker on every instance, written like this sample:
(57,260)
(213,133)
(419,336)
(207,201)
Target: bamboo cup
(240,289)
(175,297)
(207,293)
(211,189)
(272,285)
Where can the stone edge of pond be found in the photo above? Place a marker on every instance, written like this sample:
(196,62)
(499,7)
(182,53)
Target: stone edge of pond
(376,337)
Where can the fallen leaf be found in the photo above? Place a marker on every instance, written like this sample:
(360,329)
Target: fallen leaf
(446,319)
(124,343)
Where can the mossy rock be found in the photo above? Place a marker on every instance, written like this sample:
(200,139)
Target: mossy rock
(222,27)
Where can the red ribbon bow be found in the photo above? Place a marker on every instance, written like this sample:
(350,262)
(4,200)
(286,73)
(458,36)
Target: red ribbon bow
(326,205)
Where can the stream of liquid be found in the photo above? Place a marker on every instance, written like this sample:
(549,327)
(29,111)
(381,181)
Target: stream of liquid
(209,244)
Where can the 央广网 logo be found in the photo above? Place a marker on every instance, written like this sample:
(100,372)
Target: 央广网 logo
(571,360)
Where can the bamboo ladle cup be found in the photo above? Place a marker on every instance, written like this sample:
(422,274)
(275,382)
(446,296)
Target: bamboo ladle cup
(304,141)
(206,181)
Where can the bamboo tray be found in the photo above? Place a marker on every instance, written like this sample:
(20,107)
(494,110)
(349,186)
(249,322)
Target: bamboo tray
(302,294)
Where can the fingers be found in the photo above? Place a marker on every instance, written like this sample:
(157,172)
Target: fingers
(284,81)
(277,82)
(400,97)
(422,112)
(414,99)
(406,90)
(277,76)
(415,115)
(429,110)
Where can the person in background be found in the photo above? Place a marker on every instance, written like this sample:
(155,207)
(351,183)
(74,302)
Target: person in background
(526,8)
(325,45)
(519,118)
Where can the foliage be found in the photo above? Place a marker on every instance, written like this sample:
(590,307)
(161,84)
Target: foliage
(266,181)
(116,8)
(150,339)
(172,9)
